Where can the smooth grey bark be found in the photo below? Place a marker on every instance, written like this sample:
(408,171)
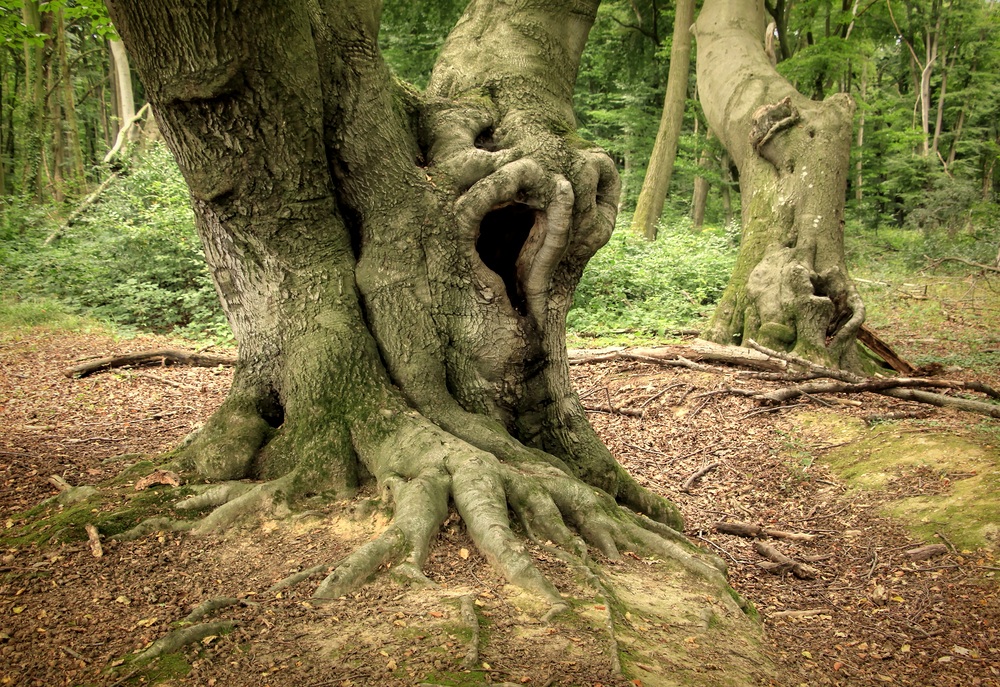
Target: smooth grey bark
(396,267)
(790,286)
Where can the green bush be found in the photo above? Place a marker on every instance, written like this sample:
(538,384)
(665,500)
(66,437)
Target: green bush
(634,285)
(894,253)
(133,258)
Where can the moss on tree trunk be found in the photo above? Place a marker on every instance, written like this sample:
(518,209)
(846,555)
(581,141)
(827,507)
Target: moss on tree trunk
(397,267)
(790,289)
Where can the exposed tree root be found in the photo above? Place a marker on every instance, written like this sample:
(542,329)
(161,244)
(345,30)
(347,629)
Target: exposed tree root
(467,607)
(209,608)
(183,636)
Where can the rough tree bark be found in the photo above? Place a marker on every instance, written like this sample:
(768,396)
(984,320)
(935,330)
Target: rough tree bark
(396,267)
(790,286)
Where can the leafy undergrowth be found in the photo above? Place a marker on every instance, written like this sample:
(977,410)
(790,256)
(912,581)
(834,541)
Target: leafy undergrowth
(872,615)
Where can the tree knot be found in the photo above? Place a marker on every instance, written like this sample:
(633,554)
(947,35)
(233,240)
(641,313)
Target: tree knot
(769,120)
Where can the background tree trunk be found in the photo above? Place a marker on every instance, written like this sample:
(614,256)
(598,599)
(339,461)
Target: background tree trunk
(661,163)
(33,174)
(123,101)
(789,289)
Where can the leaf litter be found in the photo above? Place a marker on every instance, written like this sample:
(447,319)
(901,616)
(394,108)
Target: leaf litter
(873,615)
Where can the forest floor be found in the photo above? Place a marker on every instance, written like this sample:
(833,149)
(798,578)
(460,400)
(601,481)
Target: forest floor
(870,492)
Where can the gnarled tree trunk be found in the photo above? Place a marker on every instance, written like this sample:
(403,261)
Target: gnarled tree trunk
(789,289)
(396,267)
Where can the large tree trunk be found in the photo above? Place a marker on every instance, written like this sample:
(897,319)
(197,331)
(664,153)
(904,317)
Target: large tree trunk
(789,289)
(397,268)
(661,163)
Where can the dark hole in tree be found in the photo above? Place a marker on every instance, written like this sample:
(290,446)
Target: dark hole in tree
(502,234)
(271,410)
(485,141)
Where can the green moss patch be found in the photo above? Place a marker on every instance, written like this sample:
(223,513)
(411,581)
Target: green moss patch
(111,509)
(164,669)
(965,470)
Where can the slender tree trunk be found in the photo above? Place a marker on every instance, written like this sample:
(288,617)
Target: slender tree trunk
(859,178)
(4,124)
(32,176)
(789,287)
(939,119)
(9,150)
(123,103)
(56,149)
(70,123)
(661,163)
(699,199)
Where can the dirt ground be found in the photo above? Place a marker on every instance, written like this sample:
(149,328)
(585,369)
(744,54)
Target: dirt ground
(872,615)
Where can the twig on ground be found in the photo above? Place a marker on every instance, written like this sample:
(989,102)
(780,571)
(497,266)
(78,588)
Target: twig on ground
(690,481)
(934,264)
(95,540)
(799,614)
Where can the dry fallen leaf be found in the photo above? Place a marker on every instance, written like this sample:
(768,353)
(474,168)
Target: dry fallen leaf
(463,553)
(158,477)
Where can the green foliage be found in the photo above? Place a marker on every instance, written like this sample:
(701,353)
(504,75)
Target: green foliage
(411,35)
(894,254)
(633,285)
(134,258)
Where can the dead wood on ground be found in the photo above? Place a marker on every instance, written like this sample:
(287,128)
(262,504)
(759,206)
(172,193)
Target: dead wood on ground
(693,479)
(934,264)
(742,529)
(163,356)
(698,351)
(883,350)
(780,563)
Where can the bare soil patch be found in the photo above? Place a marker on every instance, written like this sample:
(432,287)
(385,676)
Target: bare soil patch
(872,616)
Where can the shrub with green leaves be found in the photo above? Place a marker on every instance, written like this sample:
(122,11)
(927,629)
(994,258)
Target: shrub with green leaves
(634,285)
(133,258)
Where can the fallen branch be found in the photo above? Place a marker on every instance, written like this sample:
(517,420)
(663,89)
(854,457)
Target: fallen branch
(612,410)
(95,540)
(683,356)
(900,387)
(884,351)
(873,385)
(934,264)
(123,133)
(690,481)
(754,532)
(922,553)
(783,563)
(799,614)
(166,356)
